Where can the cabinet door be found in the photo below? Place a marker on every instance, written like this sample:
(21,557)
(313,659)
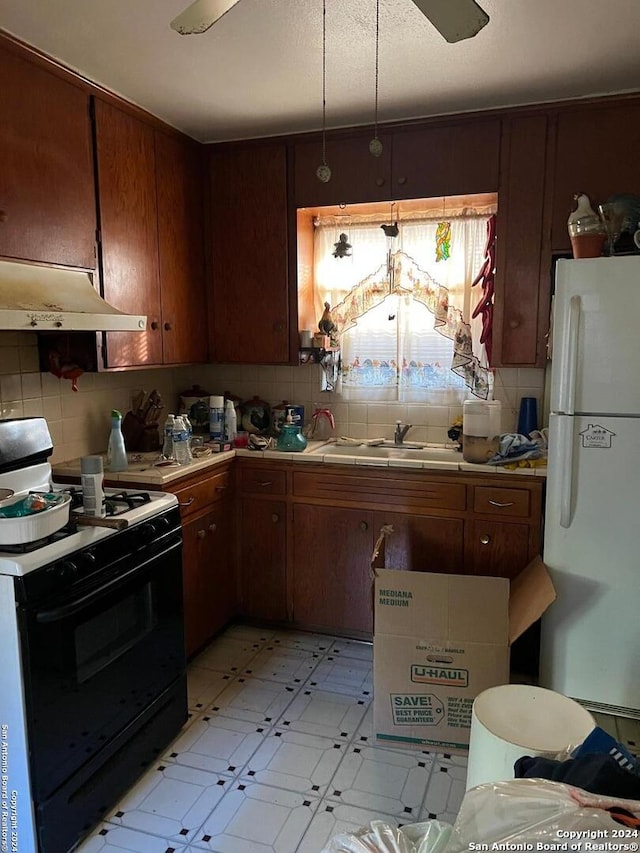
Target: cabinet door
(454,159)
(209,585)
(249,286)
(129,232)
(47,195)
(595,148)
(332,550)
(179,182)
(356,176)
(499,549)
(521,318)
(423,543)
(263,549)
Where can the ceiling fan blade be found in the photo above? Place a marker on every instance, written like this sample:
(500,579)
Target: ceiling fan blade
(455,20)
(201,15)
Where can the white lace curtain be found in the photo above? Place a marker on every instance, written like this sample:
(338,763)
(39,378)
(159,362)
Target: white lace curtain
(401,313)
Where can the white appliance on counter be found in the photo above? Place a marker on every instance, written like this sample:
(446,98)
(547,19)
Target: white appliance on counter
(590,640)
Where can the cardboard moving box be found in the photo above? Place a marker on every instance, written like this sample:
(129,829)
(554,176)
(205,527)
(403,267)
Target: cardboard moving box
(440,640)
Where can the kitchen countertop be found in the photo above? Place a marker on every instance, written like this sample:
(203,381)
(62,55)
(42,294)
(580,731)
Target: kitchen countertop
(143,470)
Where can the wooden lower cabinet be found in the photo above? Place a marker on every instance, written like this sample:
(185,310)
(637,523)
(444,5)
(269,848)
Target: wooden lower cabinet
(422,543)
(500,549)
(262,533)
(208,577)
(332,550)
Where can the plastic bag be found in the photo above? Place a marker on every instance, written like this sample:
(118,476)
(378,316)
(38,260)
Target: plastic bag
(431,836)
(528,811)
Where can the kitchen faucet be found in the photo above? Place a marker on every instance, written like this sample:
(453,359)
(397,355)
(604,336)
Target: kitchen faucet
(401,431)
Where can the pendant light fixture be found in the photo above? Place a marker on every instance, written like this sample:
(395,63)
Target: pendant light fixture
(323,172)
(375,146)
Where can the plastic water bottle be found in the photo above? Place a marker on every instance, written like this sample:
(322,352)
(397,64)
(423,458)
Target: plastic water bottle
(187,424)
(180,441)
(116,451)
(230,421)
(167,447)
(216,418)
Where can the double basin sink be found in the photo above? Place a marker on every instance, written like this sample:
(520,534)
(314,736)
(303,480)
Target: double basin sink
(390,450)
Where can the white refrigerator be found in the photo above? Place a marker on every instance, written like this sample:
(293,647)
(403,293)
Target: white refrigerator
(590,637)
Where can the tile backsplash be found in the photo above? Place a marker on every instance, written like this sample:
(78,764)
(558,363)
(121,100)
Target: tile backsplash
(79,422)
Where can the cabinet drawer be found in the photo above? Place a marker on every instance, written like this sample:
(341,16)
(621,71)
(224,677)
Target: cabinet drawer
(202,494)
(503,502)
(259,482)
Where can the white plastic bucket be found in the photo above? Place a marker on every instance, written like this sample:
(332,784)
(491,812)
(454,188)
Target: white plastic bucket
(513,720)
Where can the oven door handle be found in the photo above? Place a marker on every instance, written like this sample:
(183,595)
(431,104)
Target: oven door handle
(65,610)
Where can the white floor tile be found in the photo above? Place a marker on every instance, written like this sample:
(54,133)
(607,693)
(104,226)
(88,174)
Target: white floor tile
(364,733)
(333,818)
(203,685)
(171,801)
(305,640)
(382,780)
(108,838)
(248,632)
(254,700)
(257,819)
(289,666)
(353,649)
(343,675)
(295,761)
(446,788)
(227,654)
(318,712)
(218,744)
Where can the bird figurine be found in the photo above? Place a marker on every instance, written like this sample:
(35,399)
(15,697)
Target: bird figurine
(391,230)
(326,324)
(341,248)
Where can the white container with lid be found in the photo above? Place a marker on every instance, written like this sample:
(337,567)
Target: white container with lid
(216,418)
(481,428)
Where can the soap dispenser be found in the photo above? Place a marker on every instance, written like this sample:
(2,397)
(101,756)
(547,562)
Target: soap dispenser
(291,437)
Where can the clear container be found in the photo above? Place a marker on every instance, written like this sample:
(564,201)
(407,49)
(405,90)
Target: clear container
(167,447)
(180,441)
(481,427)
(216,418)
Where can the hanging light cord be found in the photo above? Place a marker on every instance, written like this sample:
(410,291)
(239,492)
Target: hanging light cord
(324,80)
(375,128)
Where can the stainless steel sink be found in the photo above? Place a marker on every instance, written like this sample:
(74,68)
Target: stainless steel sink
(389,450)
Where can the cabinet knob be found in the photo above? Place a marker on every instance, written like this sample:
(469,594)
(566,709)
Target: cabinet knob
(154,325)
(402,180)
(364,526)
(380,182)
(485,539)
(3,215)
(278,326)
(275,518)
(201,534)
(167,327)
(213,528)
(513,324)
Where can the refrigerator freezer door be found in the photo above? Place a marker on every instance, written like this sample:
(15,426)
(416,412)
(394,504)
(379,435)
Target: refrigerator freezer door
(595,331)
(590,641)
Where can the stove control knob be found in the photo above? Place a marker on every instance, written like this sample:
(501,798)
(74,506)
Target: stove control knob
(89,559)
(162,523)
(148,531)
(67,571)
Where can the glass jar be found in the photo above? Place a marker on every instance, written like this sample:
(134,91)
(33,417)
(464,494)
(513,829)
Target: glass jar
(586,229)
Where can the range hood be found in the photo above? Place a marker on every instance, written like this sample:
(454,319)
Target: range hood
(35,298)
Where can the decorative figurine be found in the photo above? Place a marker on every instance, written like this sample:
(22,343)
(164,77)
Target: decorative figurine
(390,230)
(341,248)
(326,324)
(443,241)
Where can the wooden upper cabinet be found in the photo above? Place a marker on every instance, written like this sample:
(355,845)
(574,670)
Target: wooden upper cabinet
(356,176)
(455,159)
(595,149)
(521,313)
(249,287)
(179,173)
(47,200)
(129,232)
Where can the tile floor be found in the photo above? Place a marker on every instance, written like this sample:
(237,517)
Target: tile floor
(277,756)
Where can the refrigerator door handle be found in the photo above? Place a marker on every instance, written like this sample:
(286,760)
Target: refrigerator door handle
(565,453)
(569,357)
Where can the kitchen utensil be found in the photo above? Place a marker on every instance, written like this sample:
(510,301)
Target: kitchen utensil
(95,521)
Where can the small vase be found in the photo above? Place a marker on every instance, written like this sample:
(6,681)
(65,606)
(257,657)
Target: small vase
(586,230)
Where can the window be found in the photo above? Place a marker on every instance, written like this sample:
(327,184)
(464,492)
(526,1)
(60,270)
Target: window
(404,317)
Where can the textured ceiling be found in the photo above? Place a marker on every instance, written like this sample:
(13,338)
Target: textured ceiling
(258,70)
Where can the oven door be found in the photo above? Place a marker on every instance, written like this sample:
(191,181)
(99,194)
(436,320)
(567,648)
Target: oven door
(94,661)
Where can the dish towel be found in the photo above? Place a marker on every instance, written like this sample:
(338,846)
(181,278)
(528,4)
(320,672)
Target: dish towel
(514,446)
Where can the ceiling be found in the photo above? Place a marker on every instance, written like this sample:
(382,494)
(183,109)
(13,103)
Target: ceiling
(258,70)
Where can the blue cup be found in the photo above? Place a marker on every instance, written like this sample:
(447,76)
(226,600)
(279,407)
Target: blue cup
(528,415)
